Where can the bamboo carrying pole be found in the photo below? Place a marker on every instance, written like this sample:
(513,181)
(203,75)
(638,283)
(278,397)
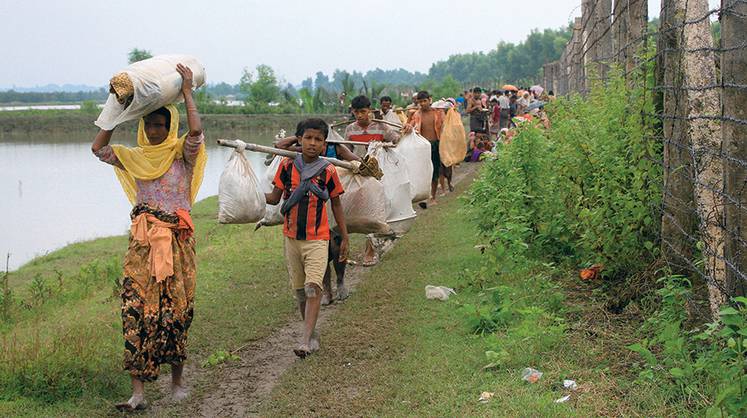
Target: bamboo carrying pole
(363,144)
(386,122)
(285,153)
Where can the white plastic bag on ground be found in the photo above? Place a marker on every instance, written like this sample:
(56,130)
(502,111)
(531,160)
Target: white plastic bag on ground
(416,151)
(363,204)
(272,212)
(156,84)
(438,292)
(240,196)
(400,214)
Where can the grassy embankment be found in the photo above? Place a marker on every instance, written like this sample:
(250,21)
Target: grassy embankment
(61,344)
(58,122)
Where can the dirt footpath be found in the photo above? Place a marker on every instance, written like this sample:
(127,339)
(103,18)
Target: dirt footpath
(238,388)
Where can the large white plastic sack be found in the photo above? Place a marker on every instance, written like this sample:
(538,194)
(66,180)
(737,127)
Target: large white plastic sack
(416,151)
(272,212)
(240,196)
(362,203)
(396,186)
(156,84)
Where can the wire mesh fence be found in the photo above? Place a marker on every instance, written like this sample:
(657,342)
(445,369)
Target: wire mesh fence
(693,64)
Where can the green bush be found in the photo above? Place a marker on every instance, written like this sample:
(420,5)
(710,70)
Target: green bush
(587,190)
(705,368)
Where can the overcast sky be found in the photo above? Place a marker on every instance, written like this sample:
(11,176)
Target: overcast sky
(86,41)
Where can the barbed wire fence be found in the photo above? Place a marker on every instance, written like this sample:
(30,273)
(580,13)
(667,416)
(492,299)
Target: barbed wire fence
(699,89)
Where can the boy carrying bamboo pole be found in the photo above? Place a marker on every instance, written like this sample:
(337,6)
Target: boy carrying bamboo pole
(306,183)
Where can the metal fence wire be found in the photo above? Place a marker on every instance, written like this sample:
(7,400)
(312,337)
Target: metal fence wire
(694,65)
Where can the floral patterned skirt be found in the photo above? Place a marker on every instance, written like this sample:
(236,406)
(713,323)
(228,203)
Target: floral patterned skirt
(156,316)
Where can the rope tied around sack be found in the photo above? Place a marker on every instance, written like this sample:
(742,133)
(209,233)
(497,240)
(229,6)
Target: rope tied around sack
(369,167)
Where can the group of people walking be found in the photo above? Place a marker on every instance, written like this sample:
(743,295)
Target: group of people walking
(161,177)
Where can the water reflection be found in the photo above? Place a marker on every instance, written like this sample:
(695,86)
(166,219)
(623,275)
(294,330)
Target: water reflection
(63,194)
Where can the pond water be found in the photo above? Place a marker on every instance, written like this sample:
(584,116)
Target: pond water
(54,192)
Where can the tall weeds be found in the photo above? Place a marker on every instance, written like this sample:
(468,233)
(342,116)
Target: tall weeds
(586,191)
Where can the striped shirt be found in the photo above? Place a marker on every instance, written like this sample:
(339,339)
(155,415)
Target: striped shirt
(308,219)
(375,131)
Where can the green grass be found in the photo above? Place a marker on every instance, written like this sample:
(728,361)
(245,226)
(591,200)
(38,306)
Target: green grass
(391,352)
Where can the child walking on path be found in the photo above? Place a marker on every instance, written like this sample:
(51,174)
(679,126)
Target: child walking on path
(306,183)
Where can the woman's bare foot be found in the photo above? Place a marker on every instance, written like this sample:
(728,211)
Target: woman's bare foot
(370,260)
(179,393)
(135,403)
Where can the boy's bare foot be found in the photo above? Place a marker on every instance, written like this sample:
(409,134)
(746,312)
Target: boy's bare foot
(302,351)
(315,342)
(135,403)
(451,188)
(327,298)
(432,201)
(342,293)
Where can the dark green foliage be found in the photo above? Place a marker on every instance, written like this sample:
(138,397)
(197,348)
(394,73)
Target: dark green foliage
(706,368)
(588,189)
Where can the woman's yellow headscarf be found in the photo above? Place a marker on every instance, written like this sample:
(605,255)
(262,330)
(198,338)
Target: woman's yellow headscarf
(149,162)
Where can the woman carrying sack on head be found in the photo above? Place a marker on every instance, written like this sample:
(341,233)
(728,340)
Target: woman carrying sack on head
(161,177)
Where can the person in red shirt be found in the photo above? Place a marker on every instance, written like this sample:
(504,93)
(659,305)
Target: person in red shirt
(306,183)
(365,130)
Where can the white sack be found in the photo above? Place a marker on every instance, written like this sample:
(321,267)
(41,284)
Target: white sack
(362,203)
(156,84)
(416,151)
(240,197)
(272,212)
(396,186)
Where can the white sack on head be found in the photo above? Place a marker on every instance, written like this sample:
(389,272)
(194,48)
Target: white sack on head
(156,84)
(240,197)
(416,151)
